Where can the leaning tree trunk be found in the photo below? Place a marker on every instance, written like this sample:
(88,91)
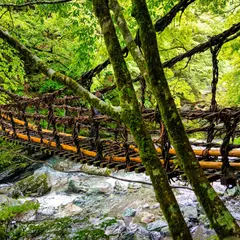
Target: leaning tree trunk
(131,116)
(221,219)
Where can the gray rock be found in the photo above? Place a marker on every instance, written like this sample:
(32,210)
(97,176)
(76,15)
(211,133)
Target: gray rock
(26,216)
(156,225)
(233,192)
(100,187)
(58,180)
(146,205)
(190,212)
(134,186)
(46,211)
(4,188)
(155,236)
(116,228)
(121,186)
(76,187)
(154,206)
(68,210)
(129,212)
(165,231)
(94,170)
(142,234)
(235,210)
(199,233)
(236,215)
(127,236)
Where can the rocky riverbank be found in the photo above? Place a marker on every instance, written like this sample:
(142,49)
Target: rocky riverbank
(99,204)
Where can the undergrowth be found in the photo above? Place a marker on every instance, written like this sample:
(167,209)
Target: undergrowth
(8,153)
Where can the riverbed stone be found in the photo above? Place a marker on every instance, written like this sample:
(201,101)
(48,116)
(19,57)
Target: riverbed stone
(154,206)
(100,187)
(190,212)
(147,217)
(26,216)
(34,186)
(116,228)
(76,187)
(165,231)
(134,186)
(142,234)
(68,210)
(18,170)
(129,212)
(156,225)
(121,186)
(146,205)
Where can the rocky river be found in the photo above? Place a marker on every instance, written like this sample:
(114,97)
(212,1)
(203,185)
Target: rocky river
(100,202)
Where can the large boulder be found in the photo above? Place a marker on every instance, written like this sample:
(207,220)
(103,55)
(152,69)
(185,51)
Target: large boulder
(34,186)
(18,170)
(91,187)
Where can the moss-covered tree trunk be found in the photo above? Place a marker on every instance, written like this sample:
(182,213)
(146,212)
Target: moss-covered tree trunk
(131,116)
(221,219)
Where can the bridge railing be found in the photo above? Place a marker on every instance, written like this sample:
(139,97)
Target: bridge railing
(62,120)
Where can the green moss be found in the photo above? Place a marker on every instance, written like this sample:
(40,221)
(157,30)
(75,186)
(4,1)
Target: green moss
(7,212)
(211,194)
(8,154)
(35,185)
(156,172)
(225,219)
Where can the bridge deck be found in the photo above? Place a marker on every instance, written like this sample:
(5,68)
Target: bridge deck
(113,152)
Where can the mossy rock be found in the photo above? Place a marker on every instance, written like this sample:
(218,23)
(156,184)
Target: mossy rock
(18,170)
(3,230)
(14,169)
(34,186)
(97,171)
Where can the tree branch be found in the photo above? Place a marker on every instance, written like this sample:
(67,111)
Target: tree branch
(61,78)
(222,37)
(32,3)
(214,40)
(131,45)
(162,23)
(3,13)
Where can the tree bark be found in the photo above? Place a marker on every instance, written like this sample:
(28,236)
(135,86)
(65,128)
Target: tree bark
(131,116)
(221,219)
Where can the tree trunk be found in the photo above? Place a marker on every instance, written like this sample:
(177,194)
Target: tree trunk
(131,116)
(221,219)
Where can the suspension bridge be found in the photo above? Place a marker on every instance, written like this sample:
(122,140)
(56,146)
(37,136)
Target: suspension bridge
(61,126)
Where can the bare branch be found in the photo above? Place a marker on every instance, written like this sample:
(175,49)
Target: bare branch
(32,3)
(162,23)
(224,36)
(232,37)
(3,13)
(204,46)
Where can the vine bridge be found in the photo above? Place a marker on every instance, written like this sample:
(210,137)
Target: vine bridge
(61,126)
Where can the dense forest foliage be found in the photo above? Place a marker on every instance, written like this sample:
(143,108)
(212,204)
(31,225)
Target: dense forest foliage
(68,38)
(47,46)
